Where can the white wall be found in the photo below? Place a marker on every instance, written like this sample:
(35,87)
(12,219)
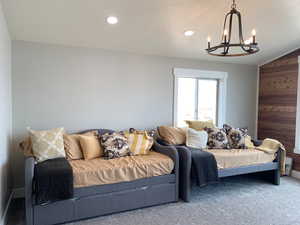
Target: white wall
(81,88)
(5,113)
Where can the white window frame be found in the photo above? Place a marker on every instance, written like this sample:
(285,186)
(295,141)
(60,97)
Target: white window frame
(203,74)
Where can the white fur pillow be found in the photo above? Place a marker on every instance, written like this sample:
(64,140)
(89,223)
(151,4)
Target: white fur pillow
(196,139)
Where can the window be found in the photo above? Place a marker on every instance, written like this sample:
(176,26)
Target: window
(199,95)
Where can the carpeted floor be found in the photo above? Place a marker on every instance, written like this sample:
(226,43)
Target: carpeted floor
(244,200)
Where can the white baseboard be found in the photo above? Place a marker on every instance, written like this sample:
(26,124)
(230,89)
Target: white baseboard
(295,174)
(18,193)
(4,218)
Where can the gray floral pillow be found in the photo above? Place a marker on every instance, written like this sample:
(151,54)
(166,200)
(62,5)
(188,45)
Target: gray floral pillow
(217,138)
(236,136)
(115,145)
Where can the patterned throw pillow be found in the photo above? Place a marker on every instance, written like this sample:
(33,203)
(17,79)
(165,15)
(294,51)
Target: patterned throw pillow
(115,145)
(217,138)
(48,144)
(140,142)
(236,136)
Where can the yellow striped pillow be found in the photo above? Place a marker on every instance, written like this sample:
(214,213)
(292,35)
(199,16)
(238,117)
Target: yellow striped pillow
(139,142)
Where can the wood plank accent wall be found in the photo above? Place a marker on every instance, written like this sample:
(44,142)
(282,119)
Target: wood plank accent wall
(296,160)
(278,100)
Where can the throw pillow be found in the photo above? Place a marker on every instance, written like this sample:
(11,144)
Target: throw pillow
(139,142)
(72,144)
(172,135)
(26,147)
(196,139)
(47,144)
(90,146)
(249,144)
(236,136)
(115,145)
(200,125)
(217,138)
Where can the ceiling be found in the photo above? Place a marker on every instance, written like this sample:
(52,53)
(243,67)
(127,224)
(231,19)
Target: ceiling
(155,26)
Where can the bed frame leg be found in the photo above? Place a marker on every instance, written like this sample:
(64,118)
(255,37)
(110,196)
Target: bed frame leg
(276,177)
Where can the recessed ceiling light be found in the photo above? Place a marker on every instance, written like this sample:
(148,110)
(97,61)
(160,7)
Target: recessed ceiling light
(189,33)
(112,20)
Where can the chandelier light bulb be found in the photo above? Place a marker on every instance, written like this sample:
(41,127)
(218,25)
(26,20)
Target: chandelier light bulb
(208,41)
(225,32)
(253,32)
(112,20)
(248,41)
(189,33)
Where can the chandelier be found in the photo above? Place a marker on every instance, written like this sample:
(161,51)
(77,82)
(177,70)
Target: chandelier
(226,47)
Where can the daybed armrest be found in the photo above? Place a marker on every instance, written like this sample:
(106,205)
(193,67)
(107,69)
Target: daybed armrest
(185,165)
(279,156)
(169,151)
(29,173)
(256,142)
(172,153)
(162,142)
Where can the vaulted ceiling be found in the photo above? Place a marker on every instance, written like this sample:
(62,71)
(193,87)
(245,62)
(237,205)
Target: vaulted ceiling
(154,26)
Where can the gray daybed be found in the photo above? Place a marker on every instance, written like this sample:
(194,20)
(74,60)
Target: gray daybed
(271,169)
(105,199)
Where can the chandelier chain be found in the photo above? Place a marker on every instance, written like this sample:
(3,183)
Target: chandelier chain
(233,6)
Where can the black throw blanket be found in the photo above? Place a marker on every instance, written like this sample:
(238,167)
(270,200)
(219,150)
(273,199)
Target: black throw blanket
(53,180)
(204,167)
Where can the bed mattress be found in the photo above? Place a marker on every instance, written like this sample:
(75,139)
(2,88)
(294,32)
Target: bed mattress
(102,171)
(240,157)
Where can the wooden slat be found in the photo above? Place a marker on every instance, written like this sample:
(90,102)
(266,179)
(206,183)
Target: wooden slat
(296,160)
(278,100)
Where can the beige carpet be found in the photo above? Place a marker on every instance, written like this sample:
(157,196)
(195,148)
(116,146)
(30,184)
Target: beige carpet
(244,200)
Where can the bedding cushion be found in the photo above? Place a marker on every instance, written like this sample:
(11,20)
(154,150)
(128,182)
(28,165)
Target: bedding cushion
(90,146)
(47,144)
(236,136)
(72,144)
(217,138)
(139,142)
(196,139)
(26,147)
(248,142)
(100,171)
(115,145)
(234,158)
(172,135)
(200,125)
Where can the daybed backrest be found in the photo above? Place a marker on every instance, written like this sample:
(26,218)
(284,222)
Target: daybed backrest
(100,131)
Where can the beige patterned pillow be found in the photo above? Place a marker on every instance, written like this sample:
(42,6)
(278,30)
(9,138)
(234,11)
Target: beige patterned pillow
(200,125)
(47,144)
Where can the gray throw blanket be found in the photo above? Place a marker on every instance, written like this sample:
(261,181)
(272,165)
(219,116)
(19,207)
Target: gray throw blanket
(53,181)
(204,167)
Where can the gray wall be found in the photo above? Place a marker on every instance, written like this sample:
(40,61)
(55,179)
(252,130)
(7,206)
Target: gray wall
(5,114)
(81,88)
